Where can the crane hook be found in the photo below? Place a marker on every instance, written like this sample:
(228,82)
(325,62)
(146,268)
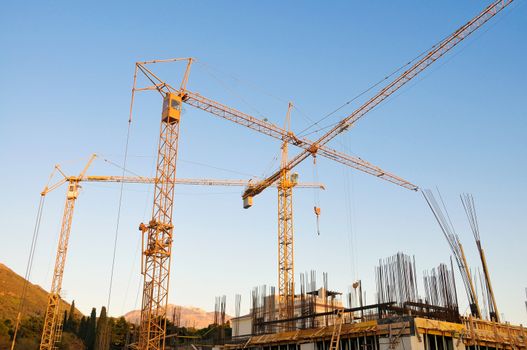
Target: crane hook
(317,213)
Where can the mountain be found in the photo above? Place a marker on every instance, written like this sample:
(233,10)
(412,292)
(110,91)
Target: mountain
(11,285)
(190,316)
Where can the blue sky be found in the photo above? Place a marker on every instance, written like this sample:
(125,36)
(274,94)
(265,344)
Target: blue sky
(67,70)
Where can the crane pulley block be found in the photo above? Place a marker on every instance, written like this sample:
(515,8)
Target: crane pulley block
(171,108)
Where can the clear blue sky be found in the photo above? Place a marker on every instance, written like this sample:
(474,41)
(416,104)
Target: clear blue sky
(66,71)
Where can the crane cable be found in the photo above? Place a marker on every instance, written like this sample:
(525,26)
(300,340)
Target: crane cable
(421,54)
(118,216)
(303,132)
(316,194)
(231,91)
(123,168)
(349,209)
(137,247)
(29,266)
(252,85)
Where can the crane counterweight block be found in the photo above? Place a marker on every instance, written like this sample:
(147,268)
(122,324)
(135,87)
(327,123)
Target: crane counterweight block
(247,202)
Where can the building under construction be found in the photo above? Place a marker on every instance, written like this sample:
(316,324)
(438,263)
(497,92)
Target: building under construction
(399,319)
(384,326)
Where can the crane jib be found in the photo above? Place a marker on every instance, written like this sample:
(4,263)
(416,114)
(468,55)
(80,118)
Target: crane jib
(437,52)
(198,101)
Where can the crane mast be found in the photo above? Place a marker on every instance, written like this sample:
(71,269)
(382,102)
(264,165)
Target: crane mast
(157,234)
(286,270)
(51,333)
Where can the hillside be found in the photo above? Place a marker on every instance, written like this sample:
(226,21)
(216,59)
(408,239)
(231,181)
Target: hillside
(11,285)
(190,316)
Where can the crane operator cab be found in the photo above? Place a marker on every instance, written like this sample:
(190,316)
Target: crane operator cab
(73,191)
(294,179)
(171,108)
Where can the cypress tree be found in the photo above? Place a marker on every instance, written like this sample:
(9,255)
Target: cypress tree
(65,320)
(101,336)
(110,326)
(70,323)
(90,330)
(81,332)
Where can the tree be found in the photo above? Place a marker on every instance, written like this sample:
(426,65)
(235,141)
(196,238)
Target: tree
(91,326)
(102,334)
(119,333)
(65,320)
(71,342)
(70,325)
(5,336)
(82,328)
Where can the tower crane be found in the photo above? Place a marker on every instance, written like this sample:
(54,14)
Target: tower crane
(52,330)
(159,231)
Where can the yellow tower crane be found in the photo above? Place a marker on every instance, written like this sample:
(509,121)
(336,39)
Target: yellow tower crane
(157,253)
(158,232)
(52,330)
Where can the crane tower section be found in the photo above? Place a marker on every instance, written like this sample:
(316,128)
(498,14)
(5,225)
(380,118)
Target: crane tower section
(157,235)
(52,330)
(286,262)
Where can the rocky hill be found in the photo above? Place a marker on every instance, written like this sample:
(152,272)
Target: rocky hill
(190,316)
